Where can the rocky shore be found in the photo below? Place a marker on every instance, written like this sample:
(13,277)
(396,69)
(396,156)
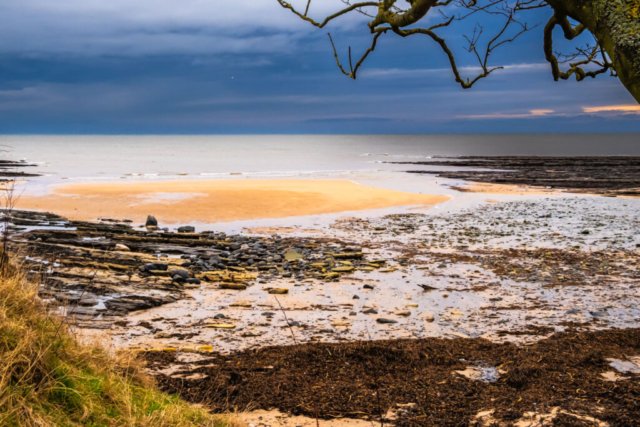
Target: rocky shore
(11,170)
(99,271)
(598,175)
(516,271)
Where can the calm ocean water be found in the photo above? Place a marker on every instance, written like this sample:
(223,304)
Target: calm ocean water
(102,158)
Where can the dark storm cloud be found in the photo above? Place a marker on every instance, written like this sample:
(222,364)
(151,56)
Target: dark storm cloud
(248,66)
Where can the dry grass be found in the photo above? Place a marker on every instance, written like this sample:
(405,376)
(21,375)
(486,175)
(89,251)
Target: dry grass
(47,378)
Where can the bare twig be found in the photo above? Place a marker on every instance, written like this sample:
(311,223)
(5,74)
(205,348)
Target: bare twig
(287,320)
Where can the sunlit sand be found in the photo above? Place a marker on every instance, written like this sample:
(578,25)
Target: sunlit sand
(218,201)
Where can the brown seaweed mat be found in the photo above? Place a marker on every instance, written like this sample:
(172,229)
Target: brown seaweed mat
(342,380)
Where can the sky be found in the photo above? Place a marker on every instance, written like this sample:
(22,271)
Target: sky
(252,67)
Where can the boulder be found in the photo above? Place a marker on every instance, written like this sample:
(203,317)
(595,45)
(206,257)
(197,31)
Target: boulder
(151,221)
(183,274)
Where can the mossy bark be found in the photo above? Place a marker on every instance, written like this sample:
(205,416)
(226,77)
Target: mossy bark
(616,26)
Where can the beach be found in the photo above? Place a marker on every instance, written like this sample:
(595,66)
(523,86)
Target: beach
(252,280)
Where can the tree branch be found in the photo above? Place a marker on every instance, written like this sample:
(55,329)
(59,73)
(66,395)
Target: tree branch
(354,70)
(328,18)
(570,33)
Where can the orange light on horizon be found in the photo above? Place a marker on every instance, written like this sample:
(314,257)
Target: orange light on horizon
(613,108)
(529,115)
(541,112)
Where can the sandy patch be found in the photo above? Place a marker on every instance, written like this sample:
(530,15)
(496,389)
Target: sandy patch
(482,187)
(277,419)
(217,201)
(279,230)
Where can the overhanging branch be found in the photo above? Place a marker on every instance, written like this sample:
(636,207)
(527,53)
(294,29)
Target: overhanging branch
(576,69)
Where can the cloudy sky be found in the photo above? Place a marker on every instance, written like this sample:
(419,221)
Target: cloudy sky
(249,66)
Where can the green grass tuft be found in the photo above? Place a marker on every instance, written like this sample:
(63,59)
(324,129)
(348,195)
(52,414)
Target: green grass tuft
(47,378)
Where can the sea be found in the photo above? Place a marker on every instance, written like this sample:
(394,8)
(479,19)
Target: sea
(89,158)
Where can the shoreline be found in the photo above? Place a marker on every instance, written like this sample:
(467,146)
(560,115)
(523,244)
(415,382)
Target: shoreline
(218,201)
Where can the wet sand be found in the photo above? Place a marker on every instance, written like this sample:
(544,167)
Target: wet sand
(218,201)
(511,189)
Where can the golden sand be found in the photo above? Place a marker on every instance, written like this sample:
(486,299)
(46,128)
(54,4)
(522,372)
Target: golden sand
(279,230)
(522,190)
(217,201)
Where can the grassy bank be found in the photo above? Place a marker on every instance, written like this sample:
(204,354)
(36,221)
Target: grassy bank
(47,378)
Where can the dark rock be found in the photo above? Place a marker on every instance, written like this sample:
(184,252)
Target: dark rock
(370,311)
(136,302)
(156,267)
(599,313)
(385,321)
(184,274)
(187,229)
(151,221)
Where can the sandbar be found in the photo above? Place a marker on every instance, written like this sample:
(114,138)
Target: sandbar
(173,202)
(490,188)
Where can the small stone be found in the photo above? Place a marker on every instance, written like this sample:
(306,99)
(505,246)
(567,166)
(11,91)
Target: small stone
(292,255)
(187,229)
(356,297)
(278,291)
(122,248)
(204,349)
(370,311)
(384,321)
(220,326)
(367,287)
(345,269)
(234,286)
